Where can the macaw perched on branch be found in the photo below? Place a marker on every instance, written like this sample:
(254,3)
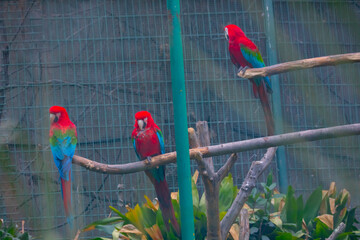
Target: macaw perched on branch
(63,139)
(148,141)
(245,54)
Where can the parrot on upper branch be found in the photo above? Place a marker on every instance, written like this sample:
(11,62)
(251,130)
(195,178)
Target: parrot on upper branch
(245,54)
(63,139)
(148,141)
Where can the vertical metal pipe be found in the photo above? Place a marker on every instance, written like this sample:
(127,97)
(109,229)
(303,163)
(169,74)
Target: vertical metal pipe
(271,47)
(180,116)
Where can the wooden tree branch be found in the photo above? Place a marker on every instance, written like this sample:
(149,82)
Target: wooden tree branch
(222,149)
(211,184)
(225,169)
(283,139)
(301,64)
(256,169)
(210,179)
(337,231)
(193,140)
(244,232)
(203,134)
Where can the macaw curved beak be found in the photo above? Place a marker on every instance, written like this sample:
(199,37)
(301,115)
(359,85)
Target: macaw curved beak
(226,34)
(141,124)
(54,117)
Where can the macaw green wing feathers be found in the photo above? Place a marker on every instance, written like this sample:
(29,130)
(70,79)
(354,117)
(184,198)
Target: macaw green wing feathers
(252,56)
(63,146)
(134,145)
(161,140)
(255,59)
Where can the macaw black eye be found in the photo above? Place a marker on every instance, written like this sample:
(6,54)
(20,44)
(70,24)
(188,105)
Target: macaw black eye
(56,118)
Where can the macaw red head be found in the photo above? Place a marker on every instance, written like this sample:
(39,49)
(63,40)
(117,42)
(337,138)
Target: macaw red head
(58,115)
(143,119)
(232,32)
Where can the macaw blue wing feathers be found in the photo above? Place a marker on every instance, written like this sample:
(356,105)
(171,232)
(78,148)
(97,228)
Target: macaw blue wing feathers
(161,141)
(256,61)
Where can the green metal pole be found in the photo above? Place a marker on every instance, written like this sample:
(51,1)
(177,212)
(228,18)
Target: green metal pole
(271,47)
(180,116)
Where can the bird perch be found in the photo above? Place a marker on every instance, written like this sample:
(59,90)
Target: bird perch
(222,149)
(301,64)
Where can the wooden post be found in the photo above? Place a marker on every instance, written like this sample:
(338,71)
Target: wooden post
(244,231)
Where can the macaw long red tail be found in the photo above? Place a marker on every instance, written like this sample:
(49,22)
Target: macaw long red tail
(167,210)
(66,194)
(267,110)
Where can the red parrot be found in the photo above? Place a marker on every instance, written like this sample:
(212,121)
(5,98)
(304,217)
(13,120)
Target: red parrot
(63,139)
(148,141)
(244,54)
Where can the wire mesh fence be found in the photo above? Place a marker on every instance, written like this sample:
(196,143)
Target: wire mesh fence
(106,60)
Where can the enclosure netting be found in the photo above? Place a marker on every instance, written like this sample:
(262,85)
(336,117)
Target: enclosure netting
(105,60)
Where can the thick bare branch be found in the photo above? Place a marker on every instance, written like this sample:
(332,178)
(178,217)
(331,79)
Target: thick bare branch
(337,231)
(284,139)
(211,185)
(193,140)
(211,182)
(224,170)
(256,169)
(244,232)
(135,166)
(226,148)
(203,134)
(301,64)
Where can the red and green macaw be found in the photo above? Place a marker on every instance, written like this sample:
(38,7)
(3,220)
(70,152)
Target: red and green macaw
(245,54)
(63,139)
(148,141)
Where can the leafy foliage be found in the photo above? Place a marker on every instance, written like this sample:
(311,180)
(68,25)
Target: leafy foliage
(272,215)
(11,232)
(146,222)
(278,216)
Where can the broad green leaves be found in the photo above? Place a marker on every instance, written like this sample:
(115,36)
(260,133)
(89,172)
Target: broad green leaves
(272,215)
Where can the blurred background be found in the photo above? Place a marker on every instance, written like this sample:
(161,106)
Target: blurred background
(105,60)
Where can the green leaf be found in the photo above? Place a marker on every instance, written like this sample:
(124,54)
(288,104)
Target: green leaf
(195,195)
(300,212)
(269,179)
(285,236)
(289,214)
(141,217)
(254,230)
(105,221)
(200,226)
(160,221)
(341,202)
(350,220)
(176,207)
(312,205)
(260,202)
(222,215)
(117,212)
(321,230)
(289,226)
(101,238)
(109,228)
(148,216)
(202,204)
(24,236)
(226,193)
